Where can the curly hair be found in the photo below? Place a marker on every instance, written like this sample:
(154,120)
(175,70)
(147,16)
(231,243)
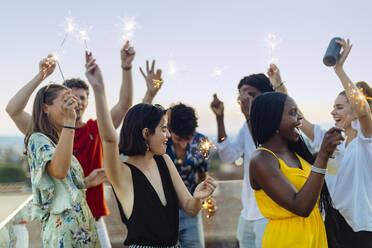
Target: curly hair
(182,120)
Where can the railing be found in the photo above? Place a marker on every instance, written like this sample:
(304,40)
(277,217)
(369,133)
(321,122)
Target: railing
(219,230)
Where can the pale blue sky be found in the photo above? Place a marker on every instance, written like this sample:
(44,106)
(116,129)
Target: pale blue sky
(199,36)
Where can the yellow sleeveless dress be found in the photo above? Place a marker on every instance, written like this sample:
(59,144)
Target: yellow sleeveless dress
(286,229)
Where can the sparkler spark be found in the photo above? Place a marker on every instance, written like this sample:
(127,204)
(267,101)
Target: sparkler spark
(205,147)
(84,37)
(272,42)
(218,71)
(172,67)
(69,29)
(128,26)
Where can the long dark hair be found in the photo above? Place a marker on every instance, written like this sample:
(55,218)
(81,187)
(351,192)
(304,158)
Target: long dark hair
(266,115)
(39,120)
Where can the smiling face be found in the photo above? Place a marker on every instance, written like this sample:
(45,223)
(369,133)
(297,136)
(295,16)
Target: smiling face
(55,112)
(291,121)
(342,112)
(82,95)
(180,143)
(158,141)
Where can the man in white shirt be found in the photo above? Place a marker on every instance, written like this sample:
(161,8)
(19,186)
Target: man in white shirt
(251,225)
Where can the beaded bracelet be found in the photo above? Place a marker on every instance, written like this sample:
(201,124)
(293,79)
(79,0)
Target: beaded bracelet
(319,170)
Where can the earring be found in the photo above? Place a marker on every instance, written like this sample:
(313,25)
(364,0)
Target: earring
(277,131)
(147,147)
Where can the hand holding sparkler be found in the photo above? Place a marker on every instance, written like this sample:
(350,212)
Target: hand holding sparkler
(217,106)
(93,73)
(153,80)
(211,207)
(205,189)
(274,75)
(346,48)
(275,79)
(47,66)
(127,54)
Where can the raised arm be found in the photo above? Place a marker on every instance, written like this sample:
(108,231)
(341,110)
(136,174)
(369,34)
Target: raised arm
(218,109)
(356,99)
(153,82)
(265,174)
(190,204)
(61,161)
(106,128)
(17,104)
(118,112)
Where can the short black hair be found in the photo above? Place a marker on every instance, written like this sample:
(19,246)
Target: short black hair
(138,117)
(76,83)
(182,120)
(260,81)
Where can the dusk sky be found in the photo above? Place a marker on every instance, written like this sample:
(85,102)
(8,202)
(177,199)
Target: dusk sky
(211,44)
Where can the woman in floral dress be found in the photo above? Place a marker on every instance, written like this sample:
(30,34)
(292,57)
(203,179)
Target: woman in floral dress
(58,182)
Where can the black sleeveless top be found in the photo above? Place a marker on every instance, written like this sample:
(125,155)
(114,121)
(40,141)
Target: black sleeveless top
(151,223)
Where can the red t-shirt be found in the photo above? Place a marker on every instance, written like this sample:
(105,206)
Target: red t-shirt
(88,150)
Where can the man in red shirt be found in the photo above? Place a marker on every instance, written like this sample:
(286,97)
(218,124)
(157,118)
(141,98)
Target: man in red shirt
(87,143)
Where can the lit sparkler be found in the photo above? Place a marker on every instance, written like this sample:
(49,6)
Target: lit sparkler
(128,26)
(69,29)
(205,147)
(218,72)
(84,37)
(172,67)
(272,43)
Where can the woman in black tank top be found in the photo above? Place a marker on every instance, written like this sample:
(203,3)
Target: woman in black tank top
(147,186)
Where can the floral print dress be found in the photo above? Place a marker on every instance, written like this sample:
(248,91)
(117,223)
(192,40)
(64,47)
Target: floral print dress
(59,203)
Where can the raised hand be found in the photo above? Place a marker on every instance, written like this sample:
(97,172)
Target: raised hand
(217,106)
(96,177)
(205,189)
(346,48)
(93,73)
(153,80)
(47,66)
(127,54)
(245,101)
(274,75)
(69,104)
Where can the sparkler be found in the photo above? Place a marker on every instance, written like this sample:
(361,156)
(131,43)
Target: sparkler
(84,37)
(218,71)
(172,67)
(272,43)
(128,26)
(205,147)
(69,29)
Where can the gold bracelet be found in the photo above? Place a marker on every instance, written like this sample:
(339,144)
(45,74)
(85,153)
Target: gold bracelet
(279,85)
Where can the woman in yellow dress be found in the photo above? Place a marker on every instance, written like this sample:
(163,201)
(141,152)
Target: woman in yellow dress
(287,186)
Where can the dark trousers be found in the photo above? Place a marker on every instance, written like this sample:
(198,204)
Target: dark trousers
(341,235)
